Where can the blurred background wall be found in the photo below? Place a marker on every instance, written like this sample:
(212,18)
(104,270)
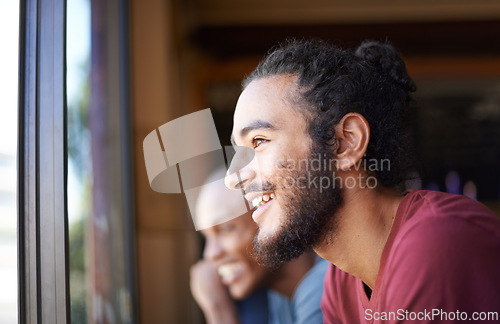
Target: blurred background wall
(192,54)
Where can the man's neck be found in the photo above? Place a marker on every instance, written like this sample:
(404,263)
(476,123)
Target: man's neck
(288,277)
(363,225)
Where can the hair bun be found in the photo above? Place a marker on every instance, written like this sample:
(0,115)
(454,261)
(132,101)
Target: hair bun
(387,59)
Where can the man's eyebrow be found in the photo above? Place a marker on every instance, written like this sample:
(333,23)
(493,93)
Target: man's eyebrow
(258,124)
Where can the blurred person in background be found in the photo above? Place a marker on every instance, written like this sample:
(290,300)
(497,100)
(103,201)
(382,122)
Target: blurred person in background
(231,287)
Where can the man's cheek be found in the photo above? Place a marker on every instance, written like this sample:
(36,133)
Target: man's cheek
(285,164)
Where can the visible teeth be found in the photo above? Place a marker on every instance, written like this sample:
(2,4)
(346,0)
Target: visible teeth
(230,271)
(261,200)
(226,270)
(223,271)
(255,202)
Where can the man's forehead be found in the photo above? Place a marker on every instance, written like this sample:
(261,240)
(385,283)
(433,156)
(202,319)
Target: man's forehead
(264,104)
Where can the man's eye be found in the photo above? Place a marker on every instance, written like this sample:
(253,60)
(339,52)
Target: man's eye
(257,141)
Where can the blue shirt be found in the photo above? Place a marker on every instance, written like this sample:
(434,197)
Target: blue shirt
(304,307)
(254,308)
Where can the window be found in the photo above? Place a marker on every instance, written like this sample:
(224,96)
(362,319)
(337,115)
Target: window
(9,38)
(75,264)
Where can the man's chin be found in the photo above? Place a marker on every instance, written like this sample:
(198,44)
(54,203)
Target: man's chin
(271,261)
(238,293)
(271,251)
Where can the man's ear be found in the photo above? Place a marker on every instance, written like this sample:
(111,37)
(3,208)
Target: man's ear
(353,135)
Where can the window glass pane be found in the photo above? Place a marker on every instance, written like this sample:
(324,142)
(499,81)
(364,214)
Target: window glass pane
(100,248)
(9,38)
(79,163)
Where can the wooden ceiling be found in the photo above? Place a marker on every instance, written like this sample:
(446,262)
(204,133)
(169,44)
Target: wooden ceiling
(229,28)
(312,12)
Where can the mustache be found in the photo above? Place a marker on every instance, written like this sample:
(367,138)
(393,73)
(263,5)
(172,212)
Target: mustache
(265,186)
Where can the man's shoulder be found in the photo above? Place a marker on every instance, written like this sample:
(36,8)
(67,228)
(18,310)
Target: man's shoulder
(421,210)
(436,202)
(440,226)
(445,252)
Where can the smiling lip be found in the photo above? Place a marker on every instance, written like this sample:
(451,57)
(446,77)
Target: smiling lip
(257,214)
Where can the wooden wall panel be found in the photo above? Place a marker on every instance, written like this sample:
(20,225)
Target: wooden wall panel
(166,241)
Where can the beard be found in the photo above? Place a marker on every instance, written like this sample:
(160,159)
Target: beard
(309,213)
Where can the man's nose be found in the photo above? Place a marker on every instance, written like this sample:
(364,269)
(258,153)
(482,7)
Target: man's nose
(213,249)
(240,172)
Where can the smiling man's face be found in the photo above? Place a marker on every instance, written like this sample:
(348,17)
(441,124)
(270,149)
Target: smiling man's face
(265,122)
(290,214)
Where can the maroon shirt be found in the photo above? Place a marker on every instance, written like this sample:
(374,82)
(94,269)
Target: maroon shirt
(441,263)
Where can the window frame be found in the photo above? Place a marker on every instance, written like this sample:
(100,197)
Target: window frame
(42,164)
(43,252)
